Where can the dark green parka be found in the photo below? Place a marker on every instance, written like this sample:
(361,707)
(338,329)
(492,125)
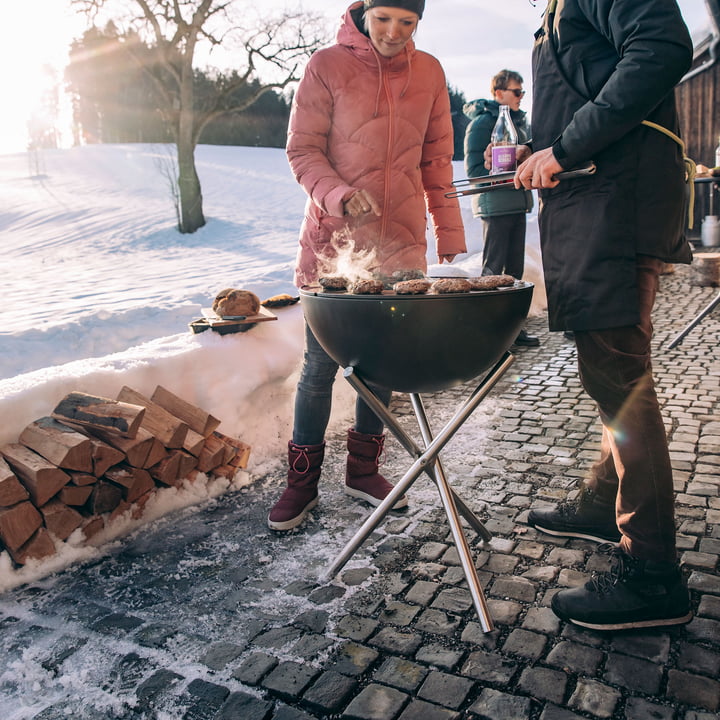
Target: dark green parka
(483,115)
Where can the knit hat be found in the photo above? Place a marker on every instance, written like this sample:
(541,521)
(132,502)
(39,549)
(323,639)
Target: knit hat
(416,6)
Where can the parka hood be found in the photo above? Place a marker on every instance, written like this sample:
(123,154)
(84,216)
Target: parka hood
(475,108)
(351,35)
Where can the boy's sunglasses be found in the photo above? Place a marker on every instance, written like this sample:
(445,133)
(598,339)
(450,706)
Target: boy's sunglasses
(515,91)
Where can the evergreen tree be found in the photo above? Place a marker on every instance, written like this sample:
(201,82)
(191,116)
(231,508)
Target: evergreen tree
(459,121)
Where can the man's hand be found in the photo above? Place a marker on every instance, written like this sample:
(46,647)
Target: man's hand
(361,203)
(523,152)
(538,171)
(487,157)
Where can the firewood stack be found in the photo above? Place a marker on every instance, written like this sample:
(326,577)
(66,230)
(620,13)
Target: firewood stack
(95,458)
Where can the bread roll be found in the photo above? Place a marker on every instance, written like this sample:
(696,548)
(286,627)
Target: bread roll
(236,303)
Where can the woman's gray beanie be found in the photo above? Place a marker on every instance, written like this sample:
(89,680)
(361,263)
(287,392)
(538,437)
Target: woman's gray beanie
(416,6)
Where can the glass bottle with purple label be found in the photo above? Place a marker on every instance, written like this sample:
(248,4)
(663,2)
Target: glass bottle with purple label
(504,140)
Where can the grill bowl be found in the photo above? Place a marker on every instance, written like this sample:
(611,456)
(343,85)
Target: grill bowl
(417,343)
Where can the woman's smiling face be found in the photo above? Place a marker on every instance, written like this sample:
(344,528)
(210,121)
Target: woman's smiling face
(390,29)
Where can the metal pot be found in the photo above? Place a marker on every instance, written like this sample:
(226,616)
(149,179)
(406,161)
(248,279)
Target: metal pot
(417,343)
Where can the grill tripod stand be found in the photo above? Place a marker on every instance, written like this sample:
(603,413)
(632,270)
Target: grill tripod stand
(427,461)
(696,321)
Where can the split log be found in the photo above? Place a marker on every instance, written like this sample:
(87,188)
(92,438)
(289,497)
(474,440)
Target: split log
(188,463)
(105,497)
(12,490)
(156,454)
(167,471)
(196,419)
(195,476)
(42,479)
(92,525)
(193,442)
(241,455)
(136,449)
(120,510)
(133,482)
(226,471)
(59,444)
(212,454)
(18,523)
(138,507)
(38,547)
(60,519)
(82,479)
(104,456)
(75,495)
(167,428)
(112,416)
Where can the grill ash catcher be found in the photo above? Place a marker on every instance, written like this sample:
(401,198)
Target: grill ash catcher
(418,344)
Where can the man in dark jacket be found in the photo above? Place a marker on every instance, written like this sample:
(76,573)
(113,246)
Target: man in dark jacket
(502,211)
(601,68)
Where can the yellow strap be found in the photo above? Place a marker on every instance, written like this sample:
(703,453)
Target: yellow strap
(690,168)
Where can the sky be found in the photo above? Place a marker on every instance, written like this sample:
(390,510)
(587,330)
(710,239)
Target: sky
(473,39)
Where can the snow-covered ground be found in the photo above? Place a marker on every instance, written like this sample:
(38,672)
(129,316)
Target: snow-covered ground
(99,288)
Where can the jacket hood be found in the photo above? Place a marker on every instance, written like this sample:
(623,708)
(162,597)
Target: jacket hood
(351,35)
(475,108)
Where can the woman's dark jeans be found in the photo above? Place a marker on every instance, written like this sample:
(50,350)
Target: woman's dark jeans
(314,398)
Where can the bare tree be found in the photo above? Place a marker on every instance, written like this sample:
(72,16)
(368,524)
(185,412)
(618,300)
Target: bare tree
(272,51)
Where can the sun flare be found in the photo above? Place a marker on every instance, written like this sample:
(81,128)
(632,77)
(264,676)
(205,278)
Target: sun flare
(33,57)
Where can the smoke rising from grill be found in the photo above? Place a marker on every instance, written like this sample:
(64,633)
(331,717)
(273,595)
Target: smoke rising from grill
(349,262)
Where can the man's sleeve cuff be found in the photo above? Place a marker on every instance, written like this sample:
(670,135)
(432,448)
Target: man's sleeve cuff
(559,152)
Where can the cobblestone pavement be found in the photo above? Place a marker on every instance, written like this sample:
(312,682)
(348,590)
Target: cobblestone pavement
(207,614)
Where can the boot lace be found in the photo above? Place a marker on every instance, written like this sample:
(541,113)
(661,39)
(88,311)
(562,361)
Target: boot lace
(570,508)
(623,565)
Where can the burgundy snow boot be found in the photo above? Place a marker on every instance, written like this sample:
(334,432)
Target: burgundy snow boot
(301,494)
(362,479)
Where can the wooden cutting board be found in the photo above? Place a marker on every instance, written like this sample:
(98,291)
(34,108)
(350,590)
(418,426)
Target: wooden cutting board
(223,326)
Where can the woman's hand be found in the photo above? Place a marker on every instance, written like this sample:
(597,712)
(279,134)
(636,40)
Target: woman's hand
(361,203)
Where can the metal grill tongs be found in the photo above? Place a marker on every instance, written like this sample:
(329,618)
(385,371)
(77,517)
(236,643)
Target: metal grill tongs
(485,183)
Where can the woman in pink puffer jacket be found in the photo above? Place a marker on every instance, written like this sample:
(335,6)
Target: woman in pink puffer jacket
(371,142)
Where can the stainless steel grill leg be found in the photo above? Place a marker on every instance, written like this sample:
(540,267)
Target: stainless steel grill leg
(411,446)
(426,462)
(696,321)
(446,497)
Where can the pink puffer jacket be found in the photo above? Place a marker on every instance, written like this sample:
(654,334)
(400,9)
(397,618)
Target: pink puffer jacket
(362,121)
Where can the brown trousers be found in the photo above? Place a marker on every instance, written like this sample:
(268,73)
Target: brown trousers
(634,467)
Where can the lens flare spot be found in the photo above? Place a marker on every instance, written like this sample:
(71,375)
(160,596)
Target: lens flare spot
(618,435)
